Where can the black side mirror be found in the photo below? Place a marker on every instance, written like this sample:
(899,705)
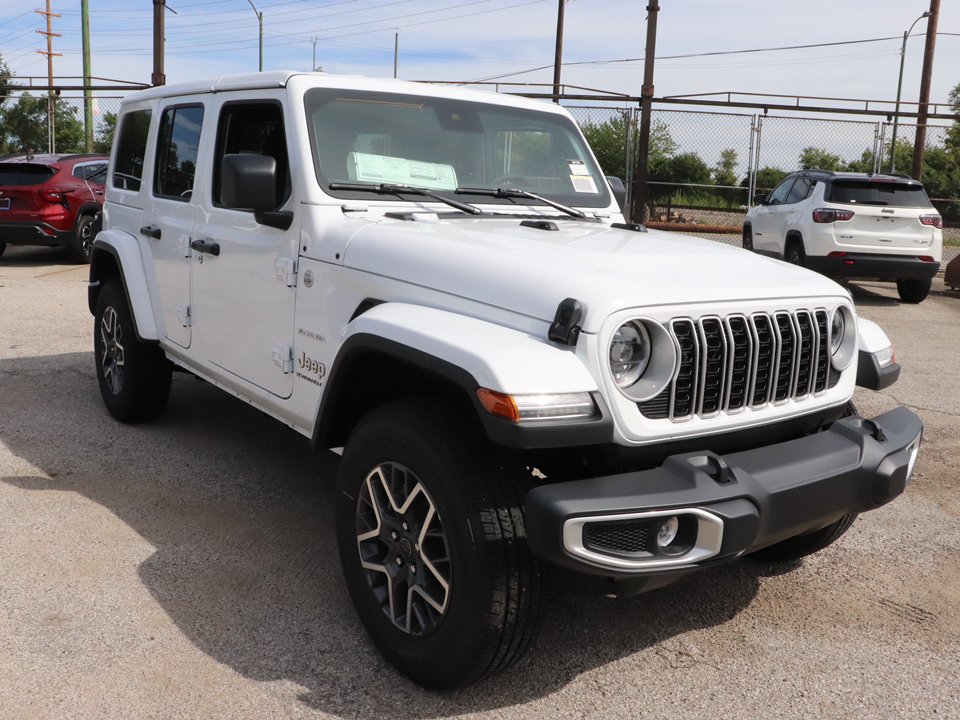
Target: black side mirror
(760,199)
(619,191)
(248,182)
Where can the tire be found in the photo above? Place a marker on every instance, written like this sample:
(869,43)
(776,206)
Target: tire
(447,589)
(3,246)
(914,290)
(794,254)
(134,377)
(80,247)
(802,545)
(747,238)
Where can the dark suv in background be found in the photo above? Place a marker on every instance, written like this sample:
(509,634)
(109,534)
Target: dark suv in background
(51,200)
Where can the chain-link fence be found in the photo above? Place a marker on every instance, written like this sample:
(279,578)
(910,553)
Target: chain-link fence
(704,168)
(28,125)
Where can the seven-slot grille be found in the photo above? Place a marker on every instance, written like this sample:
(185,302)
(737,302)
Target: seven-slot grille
(728,364)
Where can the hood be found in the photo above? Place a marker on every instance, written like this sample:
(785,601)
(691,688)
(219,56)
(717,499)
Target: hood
(498,262)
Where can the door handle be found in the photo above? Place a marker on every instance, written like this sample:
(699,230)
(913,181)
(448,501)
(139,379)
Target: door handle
(151,231)
(206,246)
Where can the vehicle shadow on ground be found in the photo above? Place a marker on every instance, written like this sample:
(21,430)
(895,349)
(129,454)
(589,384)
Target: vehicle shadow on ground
(28,256)
(239,512)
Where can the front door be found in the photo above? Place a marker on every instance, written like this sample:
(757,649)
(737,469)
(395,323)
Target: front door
(244,281)
(171,211)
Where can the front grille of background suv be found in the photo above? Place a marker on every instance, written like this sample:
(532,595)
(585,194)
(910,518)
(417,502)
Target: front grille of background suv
(728,364)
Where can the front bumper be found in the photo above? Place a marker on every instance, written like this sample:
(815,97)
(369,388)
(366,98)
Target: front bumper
(728,505)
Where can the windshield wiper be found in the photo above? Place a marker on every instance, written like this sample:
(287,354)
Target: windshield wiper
(392,189)
(510,193)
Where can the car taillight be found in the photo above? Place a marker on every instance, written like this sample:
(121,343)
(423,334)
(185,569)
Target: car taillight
(829,215)
(934,220)
(54,196)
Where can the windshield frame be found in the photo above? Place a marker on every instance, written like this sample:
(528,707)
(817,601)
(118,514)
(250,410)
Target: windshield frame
(473,111)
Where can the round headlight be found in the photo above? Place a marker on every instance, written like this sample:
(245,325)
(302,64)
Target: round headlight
(837,326)
(629,353)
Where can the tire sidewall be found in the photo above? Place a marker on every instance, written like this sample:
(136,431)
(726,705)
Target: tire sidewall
(384,440)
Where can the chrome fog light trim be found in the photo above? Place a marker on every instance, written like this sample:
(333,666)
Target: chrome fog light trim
(706,545)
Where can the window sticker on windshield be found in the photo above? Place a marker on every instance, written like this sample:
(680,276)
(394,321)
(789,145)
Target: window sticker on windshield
(578,168)
(583,184)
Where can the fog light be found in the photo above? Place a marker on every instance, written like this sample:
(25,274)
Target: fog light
(667,532)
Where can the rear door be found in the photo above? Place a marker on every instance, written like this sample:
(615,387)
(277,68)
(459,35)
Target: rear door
(244,293)
(886,214)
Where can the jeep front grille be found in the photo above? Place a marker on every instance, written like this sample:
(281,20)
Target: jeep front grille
(728,364)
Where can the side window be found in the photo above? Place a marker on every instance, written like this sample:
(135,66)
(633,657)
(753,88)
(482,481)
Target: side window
(799,191)
(255,128)
(131,150)
(178,143)
(92,172)
(779,195)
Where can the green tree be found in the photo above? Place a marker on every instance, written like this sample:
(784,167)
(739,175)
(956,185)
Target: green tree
(105,131)
(725,173)
(864,164)
(609,143)
(6,81)
(767,179)
(812,158)
(24,126)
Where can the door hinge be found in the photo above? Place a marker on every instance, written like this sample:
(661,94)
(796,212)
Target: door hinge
(183,244)
(283,357)
(183,315)
(287,271)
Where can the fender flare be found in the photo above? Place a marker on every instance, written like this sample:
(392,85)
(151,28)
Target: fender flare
(470,354)
(88,208)
(124,250)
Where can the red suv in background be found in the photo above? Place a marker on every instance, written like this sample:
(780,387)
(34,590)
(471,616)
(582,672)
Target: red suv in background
(51,200)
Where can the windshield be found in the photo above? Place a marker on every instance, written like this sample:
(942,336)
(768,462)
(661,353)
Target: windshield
(876,192)
(443,144)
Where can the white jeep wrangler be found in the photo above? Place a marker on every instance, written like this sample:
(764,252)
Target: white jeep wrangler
(441,283)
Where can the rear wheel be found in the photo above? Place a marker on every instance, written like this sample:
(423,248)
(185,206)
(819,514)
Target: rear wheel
(914,290)
(794,253)
(3,246)
(134,377)
(80,246)
(433,547)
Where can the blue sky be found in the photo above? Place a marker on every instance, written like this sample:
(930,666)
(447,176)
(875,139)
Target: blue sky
(477,39)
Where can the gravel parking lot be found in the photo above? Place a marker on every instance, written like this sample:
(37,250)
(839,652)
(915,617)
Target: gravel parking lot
(187,568)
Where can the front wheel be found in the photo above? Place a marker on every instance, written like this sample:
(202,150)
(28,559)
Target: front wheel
(747,238)
(433,547)
(797,547)
(914,290)
(134,377)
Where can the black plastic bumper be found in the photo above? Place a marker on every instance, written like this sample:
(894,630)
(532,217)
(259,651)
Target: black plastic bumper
(760,496)
(32,233)
(869,265)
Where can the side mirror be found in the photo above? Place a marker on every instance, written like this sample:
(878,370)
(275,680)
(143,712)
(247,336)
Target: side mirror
(248,182)
(619,191)
(760,199)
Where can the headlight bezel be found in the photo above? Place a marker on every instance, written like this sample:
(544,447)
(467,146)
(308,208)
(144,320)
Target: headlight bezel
(660,365)
(843,353)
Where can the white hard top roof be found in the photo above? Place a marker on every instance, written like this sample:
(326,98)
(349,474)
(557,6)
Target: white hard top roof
(303,80)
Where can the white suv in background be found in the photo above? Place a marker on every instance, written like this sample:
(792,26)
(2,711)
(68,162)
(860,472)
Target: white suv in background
(851,225)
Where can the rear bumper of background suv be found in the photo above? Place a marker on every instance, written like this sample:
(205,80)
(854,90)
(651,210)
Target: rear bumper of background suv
(33,233)
(870,265)
(727,505)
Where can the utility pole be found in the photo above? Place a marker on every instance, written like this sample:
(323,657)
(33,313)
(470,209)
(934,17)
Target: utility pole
(51,100)
(87,97)
(919,144)
(313,68)
(158,78)
(558,55)
(396,52)
(646,104)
